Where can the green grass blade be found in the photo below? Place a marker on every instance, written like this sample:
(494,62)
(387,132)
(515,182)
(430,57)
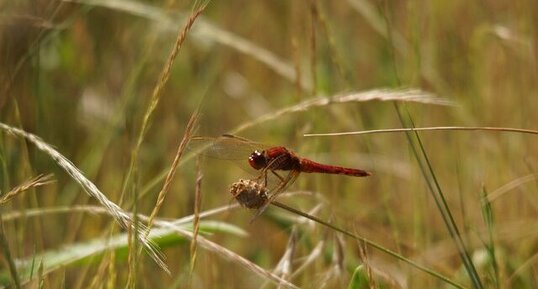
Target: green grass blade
(359,280)
(371,244)
(437,193)
(7,255)
(487,214)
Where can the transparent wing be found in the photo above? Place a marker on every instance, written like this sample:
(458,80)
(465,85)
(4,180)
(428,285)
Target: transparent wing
(226,147)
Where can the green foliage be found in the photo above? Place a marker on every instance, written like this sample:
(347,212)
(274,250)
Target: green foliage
(359,280)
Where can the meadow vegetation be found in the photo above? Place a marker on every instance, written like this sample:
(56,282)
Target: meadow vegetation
(99,100)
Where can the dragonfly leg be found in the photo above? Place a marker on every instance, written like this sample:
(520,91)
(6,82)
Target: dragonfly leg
(277,175)
(263,176)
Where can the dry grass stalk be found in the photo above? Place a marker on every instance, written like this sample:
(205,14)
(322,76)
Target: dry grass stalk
(155,97)
(99,279)
(168,181)
(6,252)
(315,254)
(27,213)
(403,95)
(297,67)
(339,255)
(436,128)
(284,266)
(332,278)
(131,260)
(90,188)
(313,45)
(493,196)
(226,253)
(196,219)
(38,181)
(369,243)
(9,216)
(363,255)
(165,74)
(165,227)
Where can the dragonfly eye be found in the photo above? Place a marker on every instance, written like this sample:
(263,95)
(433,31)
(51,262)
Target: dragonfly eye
(257,160)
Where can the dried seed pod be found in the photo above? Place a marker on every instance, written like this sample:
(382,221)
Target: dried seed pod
(249,193)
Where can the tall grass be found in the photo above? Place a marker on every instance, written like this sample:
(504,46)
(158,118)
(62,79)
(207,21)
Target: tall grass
(99,94)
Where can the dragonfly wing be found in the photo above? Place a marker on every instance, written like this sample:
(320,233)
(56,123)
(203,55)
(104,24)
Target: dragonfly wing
(283,185)
(220,148)
(226,147)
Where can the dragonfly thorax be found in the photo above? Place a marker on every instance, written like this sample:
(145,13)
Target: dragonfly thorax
(257,160)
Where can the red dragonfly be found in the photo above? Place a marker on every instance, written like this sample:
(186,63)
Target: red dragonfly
(268,159)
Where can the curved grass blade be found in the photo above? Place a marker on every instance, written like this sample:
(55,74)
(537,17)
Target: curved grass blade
(85,252)
(91,189)
(370,243)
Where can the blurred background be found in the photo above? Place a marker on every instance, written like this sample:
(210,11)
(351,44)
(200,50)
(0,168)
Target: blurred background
(80,75)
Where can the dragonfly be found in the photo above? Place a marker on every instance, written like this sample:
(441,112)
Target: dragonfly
(277,166)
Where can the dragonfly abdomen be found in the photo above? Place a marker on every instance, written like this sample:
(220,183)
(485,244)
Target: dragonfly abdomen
(308,166)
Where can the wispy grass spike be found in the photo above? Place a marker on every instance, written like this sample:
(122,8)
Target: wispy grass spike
(91,189)
(38,181)
(379,94)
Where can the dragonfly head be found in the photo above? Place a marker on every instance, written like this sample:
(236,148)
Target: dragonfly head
(257,160)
